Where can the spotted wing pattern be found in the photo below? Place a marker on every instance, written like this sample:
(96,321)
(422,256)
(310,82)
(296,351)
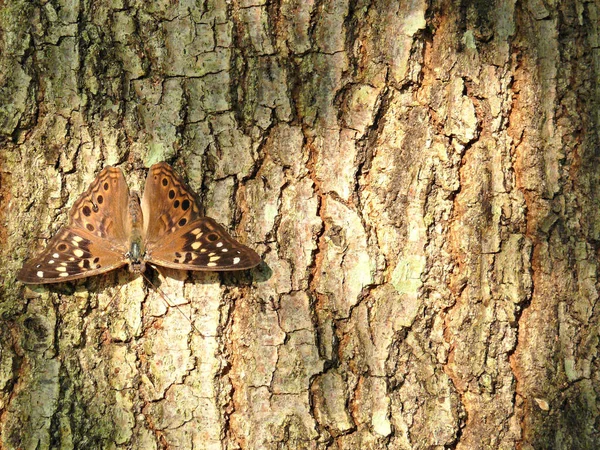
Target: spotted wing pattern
(167,204)
(202,245)
(178,237)
(95,239)
(70,255)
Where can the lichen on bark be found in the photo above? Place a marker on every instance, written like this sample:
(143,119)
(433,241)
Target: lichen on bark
(420,179)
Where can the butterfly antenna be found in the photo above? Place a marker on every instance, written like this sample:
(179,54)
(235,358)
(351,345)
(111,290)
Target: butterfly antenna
(166,300)
(112,299)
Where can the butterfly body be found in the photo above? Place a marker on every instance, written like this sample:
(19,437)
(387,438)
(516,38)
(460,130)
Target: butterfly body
(136,253)
(135,256)
(110,227)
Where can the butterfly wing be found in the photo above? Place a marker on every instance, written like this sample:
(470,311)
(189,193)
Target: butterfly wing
(177,236)
(167,204)
(202,245)
(70,255)
(95,239)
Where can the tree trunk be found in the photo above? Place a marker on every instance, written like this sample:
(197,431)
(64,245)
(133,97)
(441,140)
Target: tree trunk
(421,181)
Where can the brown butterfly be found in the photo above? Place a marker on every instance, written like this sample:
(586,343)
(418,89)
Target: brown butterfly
(109,227)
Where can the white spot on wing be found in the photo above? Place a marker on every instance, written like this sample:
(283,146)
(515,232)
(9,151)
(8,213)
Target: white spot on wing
(215,258)
(77,238)
(236,260)
(219,244)
(40,274)
(78,252)
(64,274)
(196,245)
(61,269)
(51,261)
(211,264)
(56,255)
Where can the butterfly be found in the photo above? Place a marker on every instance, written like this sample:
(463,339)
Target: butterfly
(110,227)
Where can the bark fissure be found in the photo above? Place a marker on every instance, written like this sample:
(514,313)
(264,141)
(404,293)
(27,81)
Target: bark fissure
(419,179)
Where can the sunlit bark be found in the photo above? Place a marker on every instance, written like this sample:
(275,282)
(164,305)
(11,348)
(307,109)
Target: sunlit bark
(421,181)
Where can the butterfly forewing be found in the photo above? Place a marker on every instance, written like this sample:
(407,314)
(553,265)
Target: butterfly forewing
(202,245)
(94,241)
(71,254)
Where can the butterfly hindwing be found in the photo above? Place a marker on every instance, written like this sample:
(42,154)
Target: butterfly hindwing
(167,205)
(102,209)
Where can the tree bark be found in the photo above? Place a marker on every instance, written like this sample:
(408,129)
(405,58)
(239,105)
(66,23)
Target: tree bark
(421,181)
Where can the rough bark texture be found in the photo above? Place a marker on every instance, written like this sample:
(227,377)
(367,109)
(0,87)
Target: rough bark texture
(420,177)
